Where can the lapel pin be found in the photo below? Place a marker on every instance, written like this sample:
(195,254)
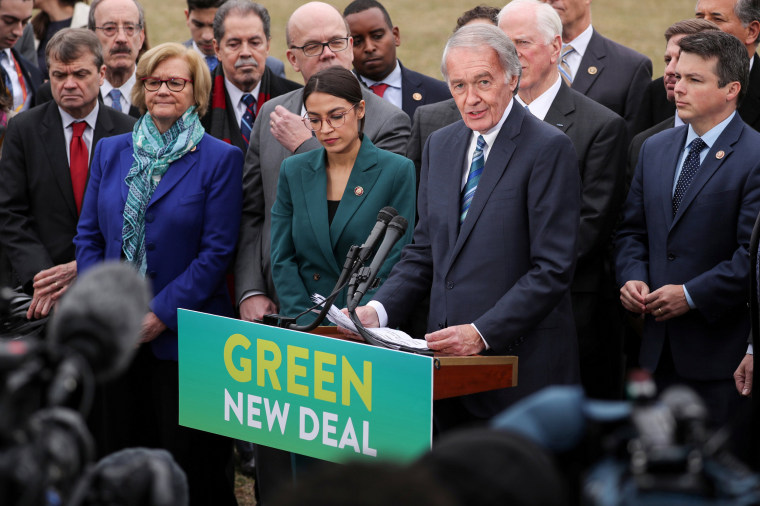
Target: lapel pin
(592,70)
(720,154)
(417,96)
(358,191)
(194,148)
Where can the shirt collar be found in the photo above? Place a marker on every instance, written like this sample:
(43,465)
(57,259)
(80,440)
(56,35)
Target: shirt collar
(580,43)
(393,79)
(125,88)
(541,105)
(236,94)
(91,119)
(711,135)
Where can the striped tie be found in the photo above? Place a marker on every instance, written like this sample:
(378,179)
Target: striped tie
(564,68)
(246,122)
(476,169)
(115,99)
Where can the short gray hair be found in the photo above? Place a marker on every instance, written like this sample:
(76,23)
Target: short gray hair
(548,21)
(240,8)
(481,34)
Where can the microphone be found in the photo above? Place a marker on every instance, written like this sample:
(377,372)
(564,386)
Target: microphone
(385,215)
(100,317)
(396,229)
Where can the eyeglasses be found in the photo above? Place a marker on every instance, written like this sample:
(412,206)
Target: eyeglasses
(335,120)
(173,83)
(317,48)
(111,29)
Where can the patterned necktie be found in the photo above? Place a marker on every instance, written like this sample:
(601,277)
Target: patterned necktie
(246,122)
(379,89)
(476,169)
(78,162)
(115,99)
(564,68)
(212,62)
(6,77)
(688,171)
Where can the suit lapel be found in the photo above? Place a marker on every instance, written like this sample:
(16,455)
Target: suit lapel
(668,174)
(57,153)
(176,172)
(750,106)
(561,110)
(364,175)
(103,128)
(314,184)
(712,163)
(451,179)
(498,160)
(592,64)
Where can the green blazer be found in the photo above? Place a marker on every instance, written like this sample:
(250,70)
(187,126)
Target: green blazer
(307,252)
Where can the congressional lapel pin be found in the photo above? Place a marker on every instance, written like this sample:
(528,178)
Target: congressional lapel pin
(720,154)
(592,70)
(417,96)
(358,191)
(194,147)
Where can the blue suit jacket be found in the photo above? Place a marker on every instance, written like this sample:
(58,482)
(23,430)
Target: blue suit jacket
(191,227)
(307,253)
(509,267)
(613,75)
(705,246)
(418,89)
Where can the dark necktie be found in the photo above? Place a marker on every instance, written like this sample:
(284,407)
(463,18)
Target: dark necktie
(246,122)
(115,99)
(688,171)
(78,162)
(473,176)
(379,89)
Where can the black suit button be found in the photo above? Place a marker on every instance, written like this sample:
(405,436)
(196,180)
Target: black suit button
(440,326)
(150,246)
(149,217)
(152,274)
(671,256)
(316,276)
(449,285)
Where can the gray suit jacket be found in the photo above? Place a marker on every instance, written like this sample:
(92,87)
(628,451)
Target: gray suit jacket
(599,137)
(387,127)
(613,75)
(427,119)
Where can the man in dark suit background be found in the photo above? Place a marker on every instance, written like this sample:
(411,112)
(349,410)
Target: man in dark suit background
(740,18)
(44,168)
(199,17)
(375,62)
(603,70)
(499,206)
(22,78)
(599,138)
(243,82)
(682,249)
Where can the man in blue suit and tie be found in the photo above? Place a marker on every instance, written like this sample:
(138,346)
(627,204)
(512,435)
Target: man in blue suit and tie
(682,250)
(499,207)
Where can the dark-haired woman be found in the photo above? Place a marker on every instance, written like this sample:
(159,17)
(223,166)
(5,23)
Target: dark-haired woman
(328,199)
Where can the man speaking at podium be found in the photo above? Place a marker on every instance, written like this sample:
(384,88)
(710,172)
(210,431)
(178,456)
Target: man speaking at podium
(499,205)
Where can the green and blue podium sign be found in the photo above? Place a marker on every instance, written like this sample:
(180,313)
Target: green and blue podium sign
(326,398)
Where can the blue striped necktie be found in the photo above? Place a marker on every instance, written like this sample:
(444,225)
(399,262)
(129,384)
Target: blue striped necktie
(246,122)
(115,99)
(476,169)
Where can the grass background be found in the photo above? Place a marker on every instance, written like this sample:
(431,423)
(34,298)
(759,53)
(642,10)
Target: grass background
(425,25)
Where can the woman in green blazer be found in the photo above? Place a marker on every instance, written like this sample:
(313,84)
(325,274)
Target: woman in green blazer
(328,199)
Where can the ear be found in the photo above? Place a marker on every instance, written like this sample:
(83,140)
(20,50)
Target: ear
(732,90)
(753,31)
(291,56)
(556,46)
(396,36)
(360,109)
(216,49)
(187,16)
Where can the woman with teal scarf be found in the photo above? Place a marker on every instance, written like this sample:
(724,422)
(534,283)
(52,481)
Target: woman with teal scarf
(166,199)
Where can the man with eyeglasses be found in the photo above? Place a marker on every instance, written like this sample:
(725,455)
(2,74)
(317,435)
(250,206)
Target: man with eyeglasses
(243,81)
(317,38)
(21,77)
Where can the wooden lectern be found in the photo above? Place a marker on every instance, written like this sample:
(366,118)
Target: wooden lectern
(455,376)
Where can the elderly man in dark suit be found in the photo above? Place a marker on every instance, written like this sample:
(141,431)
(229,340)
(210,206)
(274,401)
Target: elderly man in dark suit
(318,38)
(243,82)
(603,70)
(44,168)
(599,137)
(682,249)
(499,207)
(740,18)
(375,42)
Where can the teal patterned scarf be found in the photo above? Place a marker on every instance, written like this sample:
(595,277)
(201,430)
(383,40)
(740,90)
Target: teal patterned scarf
(153,152)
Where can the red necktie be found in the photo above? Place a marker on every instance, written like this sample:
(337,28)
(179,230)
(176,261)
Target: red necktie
(379,89)
(78,162)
